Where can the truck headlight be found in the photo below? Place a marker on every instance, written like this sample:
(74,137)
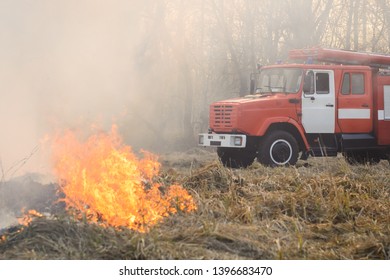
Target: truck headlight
(237,141)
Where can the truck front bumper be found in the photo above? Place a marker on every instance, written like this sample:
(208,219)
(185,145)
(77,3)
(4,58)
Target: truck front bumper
(222,140)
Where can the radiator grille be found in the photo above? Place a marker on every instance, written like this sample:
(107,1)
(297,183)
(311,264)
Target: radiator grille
(223,116)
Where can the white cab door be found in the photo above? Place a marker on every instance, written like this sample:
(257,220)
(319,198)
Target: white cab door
(319,104)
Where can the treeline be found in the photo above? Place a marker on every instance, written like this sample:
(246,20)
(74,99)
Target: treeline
(193,52)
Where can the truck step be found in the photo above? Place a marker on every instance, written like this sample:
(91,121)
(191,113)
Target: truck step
(358,141)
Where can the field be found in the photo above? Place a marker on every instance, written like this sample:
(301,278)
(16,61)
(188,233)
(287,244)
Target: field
(319,209)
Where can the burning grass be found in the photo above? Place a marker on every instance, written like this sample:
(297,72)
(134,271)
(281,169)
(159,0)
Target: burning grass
(325,209)
(103,179)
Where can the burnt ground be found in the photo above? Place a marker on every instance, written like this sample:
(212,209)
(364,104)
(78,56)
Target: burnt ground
(24,193)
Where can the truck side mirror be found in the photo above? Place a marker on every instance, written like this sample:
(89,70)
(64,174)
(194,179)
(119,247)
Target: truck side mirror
(252,83)
(308,83)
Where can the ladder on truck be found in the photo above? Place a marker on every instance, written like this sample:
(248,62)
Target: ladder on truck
(341,57)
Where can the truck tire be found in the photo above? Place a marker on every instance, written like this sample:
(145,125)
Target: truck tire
(278,148)
(235,158)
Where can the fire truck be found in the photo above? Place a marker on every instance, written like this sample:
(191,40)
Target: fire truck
(324,102)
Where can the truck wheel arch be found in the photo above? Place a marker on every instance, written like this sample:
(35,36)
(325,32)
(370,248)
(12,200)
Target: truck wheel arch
(292,127)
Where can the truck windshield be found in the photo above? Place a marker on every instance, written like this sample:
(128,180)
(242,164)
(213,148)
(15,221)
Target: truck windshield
(287,80)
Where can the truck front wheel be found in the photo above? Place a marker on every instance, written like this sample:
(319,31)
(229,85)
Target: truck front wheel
(278,148)
(235,157)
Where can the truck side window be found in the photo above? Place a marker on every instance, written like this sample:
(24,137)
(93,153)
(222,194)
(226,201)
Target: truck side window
(322,83)
(346,82)
(357,83)
(353,83)
(308,83)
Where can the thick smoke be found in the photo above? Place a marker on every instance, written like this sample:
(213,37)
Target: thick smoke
(64,64)
(24,193)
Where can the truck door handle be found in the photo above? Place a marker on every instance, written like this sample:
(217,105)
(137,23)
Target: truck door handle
(329,105)
(365,105)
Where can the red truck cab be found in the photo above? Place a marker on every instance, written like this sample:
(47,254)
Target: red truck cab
(340,104)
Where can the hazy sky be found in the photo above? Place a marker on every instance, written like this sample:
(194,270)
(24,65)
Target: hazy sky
(63,63)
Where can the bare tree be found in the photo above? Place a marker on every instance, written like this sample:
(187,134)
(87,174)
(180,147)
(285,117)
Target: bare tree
(194,52)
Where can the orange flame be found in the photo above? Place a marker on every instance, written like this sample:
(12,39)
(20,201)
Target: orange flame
(28,216)
(103,179)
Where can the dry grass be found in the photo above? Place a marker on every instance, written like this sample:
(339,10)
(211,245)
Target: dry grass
(323,209)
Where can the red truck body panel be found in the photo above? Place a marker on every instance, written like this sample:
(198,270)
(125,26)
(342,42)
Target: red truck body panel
(382,115)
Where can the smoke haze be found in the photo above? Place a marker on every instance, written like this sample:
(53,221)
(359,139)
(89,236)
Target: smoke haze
(151,67)
(63,64)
